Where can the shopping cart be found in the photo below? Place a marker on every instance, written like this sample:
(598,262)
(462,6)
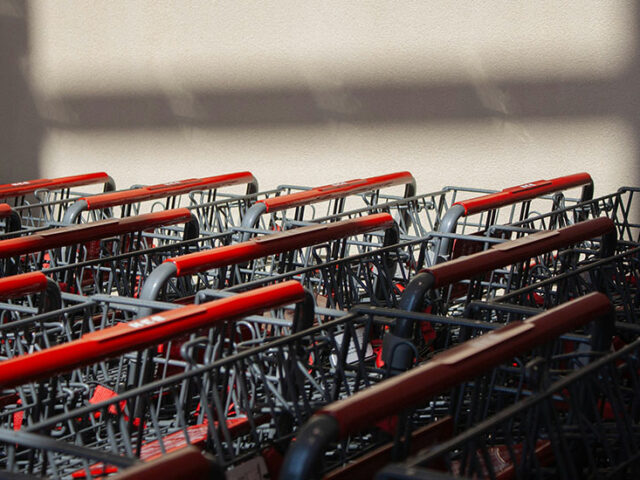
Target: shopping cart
(310,247)
(43,201)
(60,251)
(490,273)
(332,197)
(165,196)
(254,398)
(581,426)
(619,206)
(453,390)
(52,189)
(112,359)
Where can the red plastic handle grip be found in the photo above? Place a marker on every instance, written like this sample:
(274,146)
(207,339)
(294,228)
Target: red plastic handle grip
(143,332)
(337,190)
(278,243)
(462,363)
(526,191)
(518,250)
(60,237)
(23,284)
(5,210)
(30,186)
(161,190)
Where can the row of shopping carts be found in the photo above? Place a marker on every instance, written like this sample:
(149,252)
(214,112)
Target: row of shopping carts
(206,328)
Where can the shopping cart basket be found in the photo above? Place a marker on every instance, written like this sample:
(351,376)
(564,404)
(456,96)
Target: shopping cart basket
(582,426)
(112,359)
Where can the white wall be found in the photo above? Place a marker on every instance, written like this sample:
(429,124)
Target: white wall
(487,94)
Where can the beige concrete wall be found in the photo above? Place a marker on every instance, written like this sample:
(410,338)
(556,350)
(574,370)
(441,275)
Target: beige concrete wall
(489,94)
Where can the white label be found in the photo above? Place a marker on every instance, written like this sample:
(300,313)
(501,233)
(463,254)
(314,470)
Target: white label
(254,469)
(147,321)
(352,354)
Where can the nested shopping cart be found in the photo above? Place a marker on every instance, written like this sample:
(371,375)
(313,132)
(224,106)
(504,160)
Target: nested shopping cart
(40,202)
(421,214)
(63,252)
(584,425)
(450,287)
(245,408)
(46,190)
(302,253)
(164,196)
(519,198)
(104,360)
(355,436)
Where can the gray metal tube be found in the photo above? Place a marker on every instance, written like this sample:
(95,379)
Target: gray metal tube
(73,212)
(155,282)
(191,229)
(304,456)
(110,185)
(252,188)
(251,218)
(396,351)
(14,222)
(448,225)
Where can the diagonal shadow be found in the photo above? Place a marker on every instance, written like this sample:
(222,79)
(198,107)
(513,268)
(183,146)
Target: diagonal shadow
(21,129)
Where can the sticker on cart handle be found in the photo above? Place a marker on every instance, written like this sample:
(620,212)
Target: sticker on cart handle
(528,186)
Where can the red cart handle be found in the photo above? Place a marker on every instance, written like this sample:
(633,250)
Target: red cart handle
(162,190)
(23,188)
(277,243)
(439,375)
(146,331)
(521,249)
(61,237)
(526,191)
(23,284)
(339,190)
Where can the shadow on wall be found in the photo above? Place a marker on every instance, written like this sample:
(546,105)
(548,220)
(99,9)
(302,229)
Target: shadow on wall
(21,129)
